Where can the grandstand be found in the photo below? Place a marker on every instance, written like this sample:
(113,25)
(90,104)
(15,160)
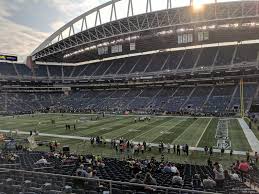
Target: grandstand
(123,95)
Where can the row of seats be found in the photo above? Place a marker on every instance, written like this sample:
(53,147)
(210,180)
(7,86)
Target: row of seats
(200,99)
(206,99)
(114,170)
(184,59)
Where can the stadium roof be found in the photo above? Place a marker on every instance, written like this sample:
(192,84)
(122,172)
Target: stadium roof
(106,25)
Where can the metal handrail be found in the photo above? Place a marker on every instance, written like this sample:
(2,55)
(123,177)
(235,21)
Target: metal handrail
(107,181)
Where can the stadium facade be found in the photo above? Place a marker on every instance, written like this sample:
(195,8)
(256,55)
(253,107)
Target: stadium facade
(175,60)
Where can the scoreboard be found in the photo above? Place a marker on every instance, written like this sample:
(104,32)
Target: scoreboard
(8,57)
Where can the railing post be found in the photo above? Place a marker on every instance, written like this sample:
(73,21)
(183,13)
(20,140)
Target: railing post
(63,182)
(110,187)
(23,188)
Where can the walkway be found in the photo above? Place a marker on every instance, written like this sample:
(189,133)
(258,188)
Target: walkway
(108,140)
(250,136)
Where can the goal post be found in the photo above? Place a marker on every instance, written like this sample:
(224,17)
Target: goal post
(242,111)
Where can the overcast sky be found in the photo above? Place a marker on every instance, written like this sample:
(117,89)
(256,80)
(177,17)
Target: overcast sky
(24,24)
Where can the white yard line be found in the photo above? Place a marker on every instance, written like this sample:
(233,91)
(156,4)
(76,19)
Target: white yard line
(185,130)
(250,136)
(121,135)
(108,114)
(150,130)
(205,129)
(108,140)
(171,127)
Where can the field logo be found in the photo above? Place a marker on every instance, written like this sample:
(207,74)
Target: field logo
(222,134)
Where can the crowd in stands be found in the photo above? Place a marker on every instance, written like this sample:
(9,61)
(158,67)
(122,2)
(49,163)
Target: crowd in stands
(201,100)
(147,174)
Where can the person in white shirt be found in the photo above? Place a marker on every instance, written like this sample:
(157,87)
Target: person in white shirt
(174,169)
(219,175)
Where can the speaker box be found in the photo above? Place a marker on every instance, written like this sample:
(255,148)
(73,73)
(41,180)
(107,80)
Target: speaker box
(66,149)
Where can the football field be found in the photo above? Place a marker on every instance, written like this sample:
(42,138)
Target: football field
(196,132)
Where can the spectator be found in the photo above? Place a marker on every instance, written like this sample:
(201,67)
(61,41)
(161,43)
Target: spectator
(145,145)
(136,179)
(208,183)
(211,151)
(219,174)
(177,179)
(222,151)
(167,168)
(236,166)
(174,169)
(42,161)
(149,180)
(136,168)
(187,149)
(81,172)
(196,181)
(142,149)
(247,156)
(243,168)
(178,152)
(206,149)
(93,183)
(234,176)
(256,157)
(149,147)
(227,175)
(209,162)
(89,172)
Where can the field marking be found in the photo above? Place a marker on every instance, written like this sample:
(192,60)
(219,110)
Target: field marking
(185,130)
(142,125)
(107,140)
(205,129)
(113,115)
(110,125)
(133,123)
(150,130)
(173,126)
(249,134)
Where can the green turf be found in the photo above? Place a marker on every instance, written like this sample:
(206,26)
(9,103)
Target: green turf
(237,136)
(174,130)
(145,129)
(158,131)
(79,147)
(208,138)
(192,134)
(254,127)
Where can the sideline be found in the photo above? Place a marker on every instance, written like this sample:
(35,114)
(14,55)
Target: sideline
(250,136)
(108,140)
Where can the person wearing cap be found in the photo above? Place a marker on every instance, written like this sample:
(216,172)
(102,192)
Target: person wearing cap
(219,175)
